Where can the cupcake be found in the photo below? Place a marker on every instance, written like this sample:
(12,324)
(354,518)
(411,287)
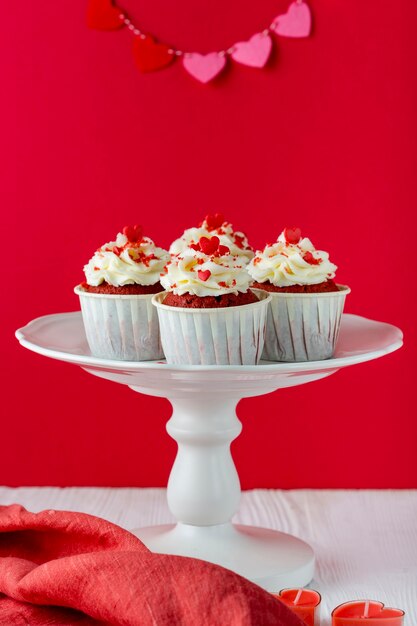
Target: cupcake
(306,303)
(121,278)
(215,225)
(208,315)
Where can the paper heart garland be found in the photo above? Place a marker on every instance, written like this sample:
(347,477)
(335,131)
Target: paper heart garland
(296,22)
(204,67)
(149,55)
(102,15)
(254,52)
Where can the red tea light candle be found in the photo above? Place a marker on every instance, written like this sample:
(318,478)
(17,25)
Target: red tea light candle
(364,612)
(303,602)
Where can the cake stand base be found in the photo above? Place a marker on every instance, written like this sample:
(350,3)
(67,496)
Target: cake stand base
(269,558)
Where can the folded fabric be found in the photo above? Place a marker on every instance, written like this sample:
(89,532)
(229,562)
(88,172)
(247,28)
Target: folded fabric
(59,567)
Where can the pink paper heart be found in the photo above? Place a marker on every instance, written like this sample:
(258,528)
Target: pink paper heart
(254,52)
(204,67)
(296,22)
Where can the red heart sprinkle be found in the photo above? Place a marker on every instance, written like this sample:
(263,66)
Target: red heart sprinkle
(149,55)
(223,250)
(102,15)
(209,246)
(309,258)
(239,239)
(292,235)
(204,275)
(214,221)
(133,233)
(195,246)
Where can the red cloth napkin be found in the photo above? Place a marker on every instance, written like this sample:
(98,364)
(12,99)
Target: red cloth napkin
(58,567)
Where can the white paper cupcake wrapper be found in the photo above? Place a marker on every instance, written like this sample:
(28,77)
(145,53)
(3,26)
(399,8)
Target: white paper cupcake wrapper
(303,327)
(121,327)
(223,336)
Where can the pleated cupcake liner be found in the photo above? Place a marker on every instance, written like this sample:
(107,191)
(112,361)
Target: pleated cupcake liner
(303,327)
(122,327)
(222,336)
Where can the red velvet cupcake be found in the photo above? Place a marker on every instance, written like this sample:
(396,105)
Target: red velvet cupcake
(306,306)
(208,315)
(121,278)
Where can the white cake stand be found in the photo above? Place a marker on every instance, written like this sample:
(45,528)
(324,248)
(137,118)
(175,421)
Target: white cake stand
(203,488)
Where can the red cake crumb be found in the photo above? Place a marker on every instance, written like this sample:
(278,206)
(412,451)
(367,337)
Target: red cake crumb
(191,301)
(328,285)
(125,290)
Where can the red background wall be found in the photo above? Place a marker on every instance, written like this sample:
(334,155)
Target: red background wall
(325,138)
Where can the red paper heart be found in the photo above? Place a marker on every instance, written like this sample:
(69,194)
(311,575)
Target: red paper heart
(214,221)
(209,246)
(292,234)
(133,233)
(296,22)
(102,15)
(204,275)
(151,56)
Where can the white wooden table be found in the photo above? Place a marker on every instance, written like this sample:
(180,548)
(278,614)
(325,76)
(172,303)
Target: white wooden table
(365,541)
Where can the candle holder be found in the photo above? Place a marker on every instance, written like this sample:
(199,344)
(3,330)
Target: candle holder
(303,602)
(362,612)
(203,488)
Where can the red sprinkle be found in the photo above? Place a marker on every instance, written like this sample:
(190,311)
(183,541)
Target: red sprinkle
(222,250)
(292,234)
(204,275)
(117,251)
(239,241)
(133,233)
(309,258)
(209,246)
(214,221)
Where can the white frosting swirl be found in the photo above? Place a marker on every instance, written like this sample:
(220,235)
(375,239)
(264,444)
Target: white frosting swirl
(121,263)
(237,242)
(227,274)
(284,264)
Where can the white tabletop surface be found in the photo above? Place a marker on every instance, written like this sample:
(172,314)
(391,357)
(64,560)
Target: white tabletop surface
(365,541)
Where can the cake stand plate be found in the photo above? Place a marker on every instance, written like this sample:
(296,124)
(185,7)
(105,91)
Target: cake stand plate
(203,488)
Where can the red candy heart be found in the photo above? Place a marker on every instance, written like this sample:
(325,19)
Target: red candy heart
(214,221)
(209,246)
(102,15)
(308,258)
(204,275)
(133,233)
(151,56)
(292,234)
(223,250)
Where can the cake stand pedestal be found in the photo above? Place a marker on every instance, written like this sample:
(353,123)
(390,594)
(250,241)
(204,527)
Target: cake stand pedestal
(203,488)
